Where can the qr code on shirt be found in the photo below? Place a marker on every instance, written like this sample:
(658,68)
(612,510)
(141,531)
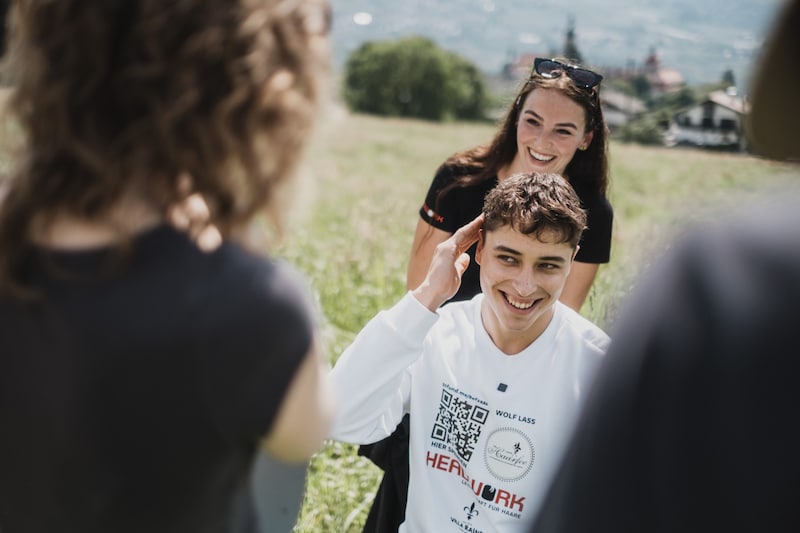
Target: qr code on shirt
(459,423)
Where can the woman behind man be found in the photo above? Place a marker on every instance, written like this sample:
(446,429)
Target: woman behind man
(142,367)
(555,125)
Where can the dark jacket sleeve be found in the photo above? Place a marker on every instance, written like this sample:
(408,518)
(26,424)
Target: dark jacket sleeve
(688,426)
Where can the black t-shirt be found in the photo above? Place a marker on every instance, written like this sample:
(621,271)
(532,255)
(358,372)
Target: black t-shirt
(134,394)
(691,425)
(461,205)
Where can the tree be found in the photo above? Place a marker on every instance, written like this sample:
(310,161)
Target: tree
(641,87)
(728,78)
(466,88)
(412,77)
(681,99)
(571,51)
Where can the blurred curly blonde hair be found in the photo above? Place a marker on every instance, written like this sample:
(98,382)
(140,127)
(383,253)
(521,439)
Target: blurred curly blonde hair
(115,95)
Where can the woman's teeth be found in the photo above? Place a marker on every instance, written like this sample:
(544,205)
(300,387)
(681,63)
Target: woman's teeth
(541,157)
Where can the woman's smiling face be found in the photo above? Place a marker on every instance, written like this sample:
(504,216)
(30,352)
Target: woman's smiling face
(550,128)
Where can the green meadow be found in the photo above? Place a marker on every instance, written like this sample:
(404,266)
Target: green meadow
(352,218)
(351,225)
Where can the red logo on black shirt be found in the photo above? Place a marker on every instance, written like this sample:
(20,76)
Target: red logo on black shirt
(433,215)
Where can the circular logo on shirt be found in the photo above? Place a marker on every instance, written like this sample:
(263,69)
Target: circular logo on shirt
(508,454)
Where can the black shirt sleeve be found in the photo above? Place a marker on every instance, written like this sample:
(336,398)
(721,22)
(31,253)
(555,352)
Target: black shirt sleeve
(459,205)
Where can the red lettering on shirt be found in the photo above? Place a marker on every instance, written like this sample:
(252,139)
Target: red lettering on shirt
(479,489)
(431,460)
(502,498)
(516,501)
(432,214)
(456,465)
(445,463)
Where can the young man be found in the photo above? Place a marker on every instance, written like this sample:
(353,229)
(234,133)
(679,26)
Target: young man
(493,384)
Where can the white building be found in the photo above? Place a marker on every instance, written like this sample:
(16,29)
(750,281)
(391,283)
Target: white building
(716,122)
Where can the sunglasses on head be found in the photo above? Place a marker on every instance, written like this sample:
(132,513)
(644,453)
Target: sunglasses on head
(550,68)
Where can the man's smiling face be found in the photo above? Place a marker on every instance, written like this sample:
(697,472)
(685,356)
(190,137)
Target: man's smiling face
(522,277)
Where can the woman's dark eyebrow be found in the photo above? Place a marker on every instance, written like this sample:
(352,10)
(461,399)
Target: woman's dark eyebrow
(560,125)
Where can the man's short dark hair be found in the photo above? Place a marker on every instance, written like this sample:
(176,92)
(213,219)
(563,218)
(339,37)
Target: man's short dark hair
(533,203)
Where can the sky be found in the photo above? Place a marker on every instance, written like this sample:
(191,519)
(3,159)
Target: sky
(700,38)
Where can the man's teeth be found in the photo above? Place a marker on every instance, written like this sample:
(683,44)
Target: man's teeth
(519,305)
(540,157)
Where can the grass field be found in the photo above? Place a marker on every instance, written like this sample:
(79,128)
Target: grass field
(351,227)
(351,233)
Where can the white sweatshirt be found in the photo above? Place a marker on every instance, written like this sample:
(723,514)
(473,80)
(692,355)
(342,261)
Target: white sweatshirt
(487,429)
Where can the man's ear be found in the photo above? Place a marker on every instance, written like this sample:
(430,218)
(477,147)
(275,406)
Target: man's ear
(479,248)
(577,247)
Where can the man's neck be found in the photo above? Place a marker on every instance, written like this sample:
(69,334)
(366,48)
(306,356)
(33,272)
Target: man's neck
(512,342)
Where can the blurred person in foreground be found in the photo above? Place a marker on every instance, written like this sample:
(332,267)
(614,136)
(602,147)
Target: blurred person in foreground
(494,383)
(145,364)
(691,424)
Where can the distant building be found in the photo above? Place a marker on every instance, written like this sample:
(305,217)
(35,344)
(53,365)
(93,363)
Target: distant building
(521,66)
(716,122)
(661,79)
(620,108)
